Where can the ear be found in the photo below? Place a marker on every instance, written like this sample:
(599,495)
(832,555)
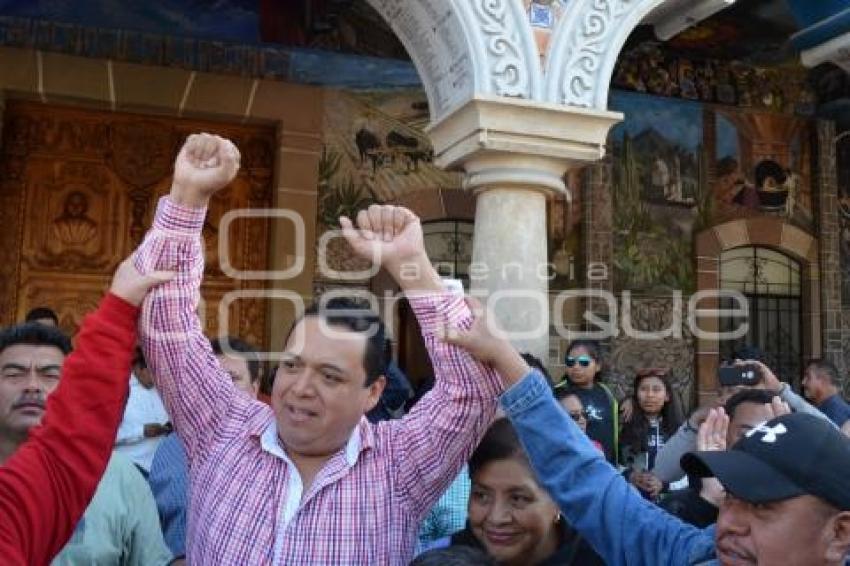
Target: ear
(838,542)
(374,393)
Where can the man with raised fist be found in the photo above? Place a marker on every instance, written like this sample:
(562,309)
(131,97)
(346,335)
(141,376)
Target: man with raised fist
(307,480)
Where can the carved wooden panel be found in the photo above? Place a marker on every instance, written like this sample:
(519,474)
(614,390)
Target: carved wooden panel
(78,192)
(72,296)
(11,201)
(73,216)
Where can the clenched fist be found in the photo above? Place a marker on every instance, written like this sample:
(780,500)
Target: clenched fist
(205,164)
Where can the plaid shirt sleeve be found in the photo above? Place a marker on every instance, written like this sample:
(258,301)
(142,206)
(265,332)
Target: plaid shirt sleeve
(437,437)
(197,393)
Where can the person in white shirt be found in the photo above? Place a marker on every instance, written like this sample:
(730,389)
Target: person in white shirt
(145,421)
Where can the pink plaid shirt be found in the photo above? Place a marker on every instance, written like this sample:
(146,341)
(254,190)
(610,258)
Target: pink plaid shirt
(365,505)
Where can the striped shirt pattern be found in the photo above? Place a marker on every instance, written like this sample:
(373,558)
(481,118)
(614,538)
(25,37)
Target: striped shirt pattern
(169,481)
(365,513)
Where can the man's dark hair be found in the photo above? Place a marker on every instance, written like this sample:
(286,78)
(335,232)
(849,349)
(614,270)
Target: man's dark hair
(825,368)
(458,555)
(754,396)
(537,364)
(34,334)
(39,313)
(224,346)
(500,442)
(748,353)
(139,359)
(356,317)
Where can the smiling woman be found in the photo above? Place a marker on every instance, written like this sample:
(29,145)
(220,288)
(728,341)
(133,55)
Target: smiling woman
(510,515)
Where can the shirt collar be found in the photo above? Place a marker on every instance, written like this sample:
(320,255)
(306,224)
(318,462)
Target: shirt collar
(270,442)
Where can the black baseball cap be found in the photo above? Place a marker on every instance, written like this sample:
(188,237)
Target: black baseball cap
(789,456)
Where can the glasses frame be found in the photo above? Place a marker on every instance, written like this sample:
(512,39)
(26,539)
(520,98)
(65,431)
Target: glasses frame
(583,361)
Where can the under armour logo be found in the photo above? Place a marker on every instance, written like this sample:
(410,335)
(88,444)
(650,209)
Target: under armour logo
(771,433)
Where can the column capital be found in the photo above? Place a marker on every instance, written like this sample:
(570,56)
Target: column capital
(503,142)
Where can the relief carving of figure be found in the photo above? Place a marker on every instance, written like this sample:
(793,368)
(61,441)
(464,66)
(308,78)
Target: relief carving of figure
(73,229)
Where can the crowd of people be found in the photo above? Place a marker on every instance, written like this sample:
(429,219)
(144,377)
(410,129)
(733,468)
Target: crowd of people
(148,445)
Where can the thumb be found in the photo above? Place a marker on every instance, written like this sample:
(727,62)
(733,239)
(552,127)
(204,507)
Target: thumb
(351,235)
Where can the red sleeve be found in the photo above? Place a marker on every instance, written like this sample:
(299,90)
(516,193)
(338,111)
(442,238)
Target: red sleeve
(47,484)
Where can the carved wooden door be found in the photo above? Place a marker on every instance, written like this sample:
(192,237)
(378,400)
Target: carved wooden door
(78,189)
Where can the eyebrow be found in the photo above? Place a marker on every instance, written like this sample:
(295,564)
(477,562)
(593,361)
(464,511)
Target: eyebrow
(333,368)
(13,365)
(287,356)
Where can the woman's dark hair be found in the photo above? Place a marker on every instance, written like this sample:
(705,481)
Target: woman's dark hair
(537,364)
(564,392)
(457,555)
(592,347)
(500,442)
(635,431)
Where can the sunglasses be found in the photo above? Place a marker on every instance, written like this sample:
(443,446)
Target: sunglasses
(578,416)
(583,361)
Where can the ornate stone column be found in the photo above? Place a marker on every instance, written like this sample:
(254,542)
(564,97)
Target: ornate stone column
(515,154)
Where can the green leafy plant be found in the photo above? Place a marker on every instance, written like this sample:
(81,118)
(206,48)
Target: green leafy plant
(344,199)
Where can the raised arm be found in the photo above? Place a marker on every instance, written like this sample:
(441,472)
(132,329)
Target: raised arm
(47,484)
(772,383)
(441,431)
(667,467)
(622,526)
(197,393)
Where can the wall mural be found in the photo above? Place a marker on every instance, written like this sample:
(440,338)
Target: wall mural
(680,167)
(651,68)
(375,150)
(659,189)
(763,166)
(258,38)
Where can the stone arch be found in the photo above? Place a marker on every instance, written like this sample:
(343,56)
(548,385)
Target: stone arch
(465,48)
(585,48)
(769,232)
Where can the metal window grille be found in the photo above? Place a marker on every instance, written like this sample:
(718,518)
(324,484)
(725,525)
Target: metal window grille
(771,283)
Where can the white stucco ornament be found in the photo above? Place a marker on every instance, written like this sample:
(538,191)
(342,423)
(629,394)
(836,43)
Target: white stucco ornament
(467,48)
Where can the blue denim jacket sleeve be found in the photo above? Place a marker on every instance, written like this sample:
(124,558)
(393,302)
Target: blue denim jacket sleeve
(622,526)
